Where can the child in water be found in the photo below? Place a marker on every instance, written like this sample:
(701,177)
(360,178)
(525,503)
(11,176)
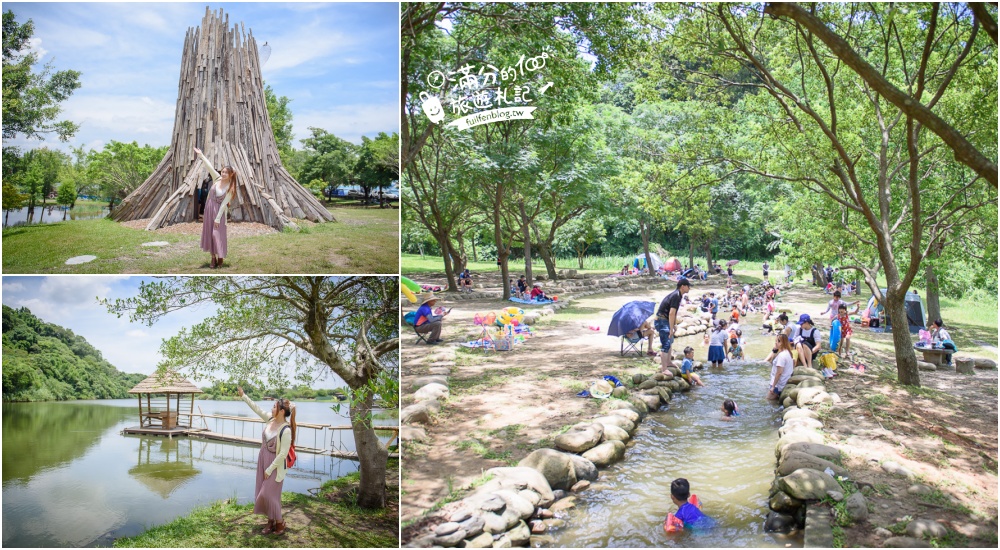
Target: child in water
(687,368)
(735,350)
(729,408)
(688,515)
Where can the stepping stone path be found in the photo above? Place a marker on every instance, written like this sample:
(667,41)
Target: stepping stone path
(156,243)
(76,260)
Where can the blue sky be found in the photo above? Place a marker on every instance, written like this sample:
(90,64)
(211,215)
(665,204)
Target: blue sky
(337,62)
(70,301)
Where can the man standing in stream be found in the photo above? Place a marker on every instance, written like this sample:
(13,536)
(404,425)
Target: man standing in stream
(666,321)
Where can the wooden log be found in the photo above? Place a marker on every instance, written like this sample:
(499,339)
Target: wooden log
(965,365)
(221,108)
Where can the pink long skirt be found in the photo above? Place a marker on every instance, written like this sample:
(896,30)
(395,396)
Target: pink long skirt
(267,495)
(213,239)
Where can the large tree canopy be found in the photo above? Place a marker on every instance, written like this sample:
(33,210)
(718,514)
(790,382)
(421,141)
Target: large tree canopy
(262,326)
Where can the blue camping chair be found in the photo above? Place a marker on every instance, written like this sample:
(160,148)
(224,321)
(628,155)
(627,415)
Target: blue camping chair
(632,344)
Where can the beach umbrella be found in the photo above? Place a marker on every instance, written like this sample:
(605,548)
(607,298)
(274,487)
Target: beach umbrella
(732,262)
(629,317)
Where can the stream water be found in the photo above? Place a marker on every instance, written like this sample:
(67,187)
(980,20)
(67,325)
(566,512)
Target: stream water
(71,479)
(49,214)
(728,463)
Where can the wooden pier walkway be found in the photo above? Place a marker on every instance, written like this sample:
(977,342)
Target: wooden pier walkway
(206,433)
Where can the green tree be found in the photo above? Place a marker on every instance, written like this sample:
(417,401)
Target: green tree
(31,100)
(12,199)
(44,165)
(280,115)
(66,195)
(331,159)
(120,167)
(374,169)
(345,325)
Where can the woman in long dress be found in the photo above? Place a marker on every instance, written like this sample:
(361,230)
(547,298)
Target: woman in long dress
(213,229)
(277,439)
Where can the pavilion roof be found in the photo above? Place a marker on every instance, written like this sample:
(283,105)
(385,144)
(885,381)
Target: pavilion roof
(167,382)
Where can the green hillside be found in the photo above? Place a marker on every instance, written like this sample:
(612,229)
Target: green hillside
(46,362)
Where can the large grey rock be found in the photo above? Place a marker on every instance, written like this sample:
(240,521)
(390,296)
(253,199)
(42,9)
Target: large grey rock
(926,529)
(494,523)
(797,460)
(412,433)
(801,378)
(555,466)
(904,542)
(781,502)
(446,528)
(811,382)
(482,540)
(652,402)
(606,453)
(580,437)
(897,469)
(614,433)
(473,526)
(924,365)
(796,412)
(982,363)
(632,416)
(620,392)
(647,384)
(812,423)
(779,523)
(819,531)
(808,484)
(665,395)
(816,449)
(807,371)
(520,534)
(965,365)
(531,496)
(919,489)
(857,508)
(639,406)
(796,428)
(432,390)
(418,413)
(808,436)
(422,381)
(812,396)
(451,540)
(615,420)
(521,478)
(515,502)
(584,469)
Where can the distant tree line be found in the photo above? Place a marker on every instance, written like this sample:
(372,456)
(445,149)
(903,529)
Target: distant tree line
(46,362)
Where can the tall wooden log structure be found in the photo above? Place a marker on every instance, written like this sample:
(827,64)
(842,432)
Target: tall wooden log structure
(221,109)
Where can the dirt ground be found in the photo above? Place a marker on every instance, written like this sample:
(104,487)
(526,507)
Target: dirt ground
(504,405)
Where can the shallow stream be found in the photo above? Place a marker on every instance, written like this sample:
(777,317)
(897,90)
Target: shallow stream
(728,463)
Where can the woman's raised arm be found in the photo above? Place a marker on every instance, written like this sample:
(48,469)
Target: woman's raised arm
(211,169)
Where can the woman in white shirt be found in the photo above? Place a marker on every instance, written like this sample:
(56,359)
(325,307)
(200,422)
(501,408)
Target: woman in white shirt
(276,440)
(782,366)
(213,229)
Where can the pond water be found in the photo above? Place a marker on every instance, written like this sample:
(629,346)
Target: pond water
(49,214)
(70,478)
(729,464)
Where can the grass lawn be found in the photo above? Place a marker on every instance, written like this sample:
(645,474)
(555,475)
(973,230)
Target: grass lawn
(415,264)
(363,240)
(329,520)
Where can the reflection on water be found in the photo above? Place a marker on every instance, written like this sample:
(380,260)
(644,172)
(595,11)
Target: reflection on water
(729,464)
(70,478)
(49,214)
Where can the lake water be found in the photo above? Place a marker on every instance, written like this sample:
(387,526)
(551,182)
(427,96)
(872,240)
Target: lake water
(49,214)
(70,478)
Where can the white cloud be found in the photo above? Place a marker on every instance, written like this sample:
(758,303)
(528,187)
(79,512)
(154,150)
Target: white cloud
(124,117)
(350,122)
(75,290)
(315,42)
(137,333)
(12,287)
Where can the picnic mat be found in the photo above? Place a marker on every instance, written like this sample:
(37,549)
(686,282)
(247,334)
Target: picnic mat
(530,302)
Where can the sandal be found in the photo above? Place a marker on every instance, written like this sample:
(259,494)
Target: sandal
(279,528)
(213,263)
(269,528)
(219,265)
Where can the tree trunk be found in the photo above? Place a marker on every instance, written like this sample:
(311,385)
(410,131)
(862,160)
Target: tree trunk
(372,456)
(933,290)
(690,253)
(644,232)
(906,357)
(503,252)
(221,109)
(708,258)
(475,257)
(526,235)
(545,251)
(445,244)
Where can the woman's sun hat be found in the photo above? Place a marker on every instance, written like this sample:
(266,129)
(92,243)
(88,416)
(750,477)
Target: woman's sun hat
(429,297)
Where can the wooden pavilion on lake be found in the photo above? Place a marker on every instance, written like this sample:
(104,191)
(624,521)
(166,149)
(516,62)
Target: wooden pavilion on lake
(166,405)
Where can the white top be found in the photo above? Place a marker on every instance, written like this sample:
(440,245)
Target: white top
(940,335)
(782,368)
(220,191)
(272,429)
(718,338)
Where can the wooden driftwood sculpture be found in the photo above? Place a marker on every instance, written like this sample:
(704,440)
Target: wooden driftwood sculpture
(221,109)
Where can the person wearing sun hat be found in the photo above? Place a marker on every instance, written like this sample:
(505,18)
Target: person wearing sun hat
(806,340)
(428,321)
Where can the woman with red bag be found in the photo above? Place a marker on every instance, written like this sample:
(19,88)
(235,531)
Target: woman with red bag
(276,442)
